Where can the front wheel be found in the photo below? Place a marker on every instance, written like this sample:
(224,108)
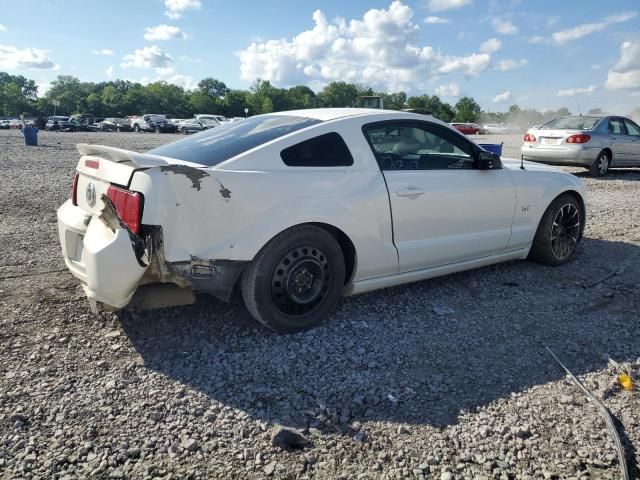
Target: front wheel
(136,128)
(295,280)
(601,166)
(559,232)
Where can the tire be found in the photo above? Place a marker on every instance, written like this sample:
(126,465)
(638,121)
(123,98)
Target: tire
(136,128)
(184,131)
(156,130)
(295,281)
(601,165)
(118,129)
(559,232)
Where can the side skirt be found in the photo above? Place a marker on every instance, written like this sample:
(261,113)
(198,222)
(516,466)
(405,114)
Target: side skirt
(368,285)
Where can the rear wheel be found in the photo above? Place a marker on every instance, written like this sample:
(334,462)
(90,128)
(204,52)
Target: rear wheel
(295,280)
(184,131)
(156,130)
(559,232)
(136,128)
(601,166)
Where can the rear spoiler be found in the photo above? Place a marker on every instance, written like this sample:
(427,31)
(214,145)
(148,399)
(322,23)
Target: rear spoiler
(120,155)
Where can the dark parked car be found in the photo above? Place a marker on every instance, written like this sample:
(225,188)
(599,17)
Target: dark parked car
(57,122)
(153,123)
(115,125)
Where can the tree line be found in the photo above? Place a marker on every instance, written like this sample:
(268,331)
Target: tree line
(120,98)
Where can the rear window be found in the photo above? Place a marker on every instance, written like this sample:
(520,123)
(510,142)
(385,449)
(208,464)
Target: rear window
(328,150)
(571,123)
(219,144)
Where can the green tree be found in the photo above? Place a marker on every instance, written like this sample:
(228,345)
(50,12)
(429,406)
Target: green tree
(339,94)
(393,101)
(467,110)
(596,111)
(300,97)
(213,87)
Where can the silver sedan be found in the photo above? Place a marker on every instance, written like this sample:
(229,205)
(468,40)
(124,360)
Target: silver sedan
(594,142)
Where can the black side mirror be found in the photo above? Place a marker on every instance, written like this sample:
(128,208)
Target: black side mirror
(487,161)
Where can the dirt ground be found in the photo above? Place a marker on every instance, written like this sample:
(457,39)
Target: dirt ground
(446,378)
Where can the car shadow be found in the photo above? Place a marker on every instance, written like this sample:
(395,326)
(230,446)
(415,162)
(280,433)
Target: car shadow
(626,174)
(421,353)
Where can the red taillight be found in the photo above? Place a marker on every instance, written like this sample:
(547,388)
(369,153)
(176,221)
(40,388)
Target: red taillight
(128,205)
(73,194)
(579,138)
(529,137)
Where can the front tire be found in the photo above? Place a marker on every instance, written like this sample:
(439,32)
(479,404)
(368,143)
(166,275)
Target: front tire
(295,281)
(136,128)
(156,130)
(558,233)
(601,166)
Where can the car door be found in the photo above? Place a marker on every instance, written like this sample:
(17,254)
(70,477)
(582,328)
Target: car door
(634,134)
(620,142)
(444,209)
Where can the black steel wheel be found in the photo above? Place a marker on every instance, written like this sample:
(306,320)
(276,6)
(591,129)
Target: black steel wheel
(295,280)
(559,232)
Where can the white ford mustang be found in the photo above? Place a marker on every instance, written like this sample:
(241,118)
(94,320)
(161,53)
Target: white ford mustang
(298,208)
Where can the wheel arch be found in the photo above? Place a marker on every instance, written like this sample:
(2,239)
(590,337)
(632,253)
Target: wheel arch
(346,245)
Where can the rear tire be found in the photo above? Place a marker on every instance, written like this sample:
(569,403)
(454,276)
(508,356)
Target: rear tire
(156,130)
(559,232)
(136,128)
(295,281)
(601,166)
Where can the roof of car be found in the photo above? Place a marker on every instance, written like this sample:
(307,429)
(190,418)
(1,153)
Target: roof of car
(326,114)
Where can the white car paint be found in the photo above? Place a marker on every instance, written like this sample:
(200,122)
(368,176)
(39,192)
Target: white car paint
(460,219)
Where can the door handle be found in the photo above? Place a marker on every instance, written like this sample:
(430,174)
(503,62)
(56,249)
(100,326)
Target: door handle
(411,192)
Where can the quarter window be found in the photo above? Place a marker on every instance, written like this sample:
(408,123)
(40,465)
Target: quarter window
(616,127)
(328,150)
(418,147)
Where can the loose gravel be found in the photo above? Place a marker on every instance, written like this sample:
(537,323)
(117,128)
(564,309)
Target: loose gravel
(446,378)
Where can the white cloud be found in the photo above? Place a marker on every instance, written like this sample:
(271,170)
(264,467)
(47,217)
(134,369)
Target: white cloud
(537,39)
(579,31)
(104,51)
(13,58)
(435,20)
(509,64)
(164,32)
(440,5)
(382,49)
(3,28)
(626,72)
(471,66)
(572,92)
(490,46)
(184,81)
(504,27)
(503,97)
(175,8)
(109,71)
(148,57)
(450,90)
(43,87)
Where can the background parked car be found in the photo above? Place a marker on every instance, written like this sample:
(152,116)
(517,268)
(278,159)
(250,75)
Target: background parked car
(115,125)
(153,123)
(4,125)
(594,142)
(495,128)
(466,128)
(57,122)
(197,125)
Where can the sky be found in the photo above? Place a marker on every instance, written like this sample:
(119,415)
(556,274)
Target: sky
(542,54)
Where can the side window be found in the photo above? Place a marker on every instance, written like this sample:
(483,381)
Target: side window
(616,127)
(632,128)
(328,150)
(407,146)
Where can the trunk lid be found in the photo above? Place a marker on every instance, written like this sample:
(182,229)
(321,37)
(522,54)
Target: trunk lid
(554,138)
(101,166)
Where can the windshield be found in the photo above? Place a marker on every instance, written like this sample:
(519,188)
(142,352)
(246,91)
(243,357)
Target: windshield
(571,123)
(216,145)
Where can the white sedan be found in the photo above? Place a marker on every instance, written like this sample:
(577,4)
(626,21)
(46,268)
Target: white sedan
(298,208)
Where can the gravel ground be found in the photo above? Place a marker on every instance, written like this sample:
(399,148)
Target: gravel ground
(446,378)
